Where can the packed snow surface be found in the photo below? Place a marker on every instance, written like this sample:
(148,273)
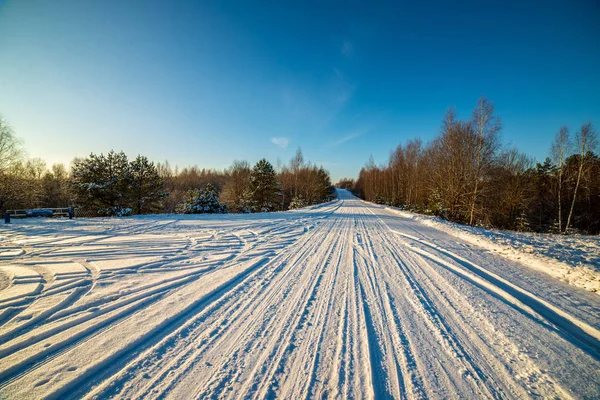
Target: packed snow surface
(342,300)
(574,259)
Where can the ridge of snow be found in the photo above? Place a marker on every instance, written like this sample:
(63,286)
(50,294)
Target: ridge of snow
(574,259)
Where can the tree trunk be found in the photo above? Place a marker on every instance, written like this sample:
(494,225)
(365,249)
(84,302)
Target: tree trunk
(574,194)
(477,174)
(473,202)
(559,199)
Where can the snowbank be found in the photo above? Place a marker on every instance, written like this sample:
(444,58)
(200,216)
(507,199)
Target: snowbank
(574,259)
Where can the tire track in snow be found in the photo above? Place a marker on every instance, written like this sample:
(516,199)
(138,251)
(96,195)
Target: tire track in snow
(488,338)
(550,388)
(181,357)
(125,298)
(51,358)
(319,303)
(302,362)
(266,304)
(286,323)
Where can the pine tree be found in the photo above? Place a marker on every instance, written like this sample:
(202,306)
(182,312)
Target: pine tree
(247,203)
(205,201)
(147,189)
(326,188)
(264,187)
(543,198)
(297,202)
(102,183)
(189,201)
(208,201)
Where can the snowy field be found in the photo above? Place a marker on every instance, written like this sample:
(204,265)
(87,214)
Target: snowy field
(342,300)
(574,259)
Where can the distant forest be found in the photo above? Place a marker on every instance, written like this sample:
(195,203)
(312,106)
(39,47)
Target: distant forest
(113,185)
(466,175)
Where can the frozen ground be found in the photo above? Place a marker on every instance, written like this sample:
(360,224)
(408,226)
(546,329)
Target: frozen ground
(574,259)
(342,300)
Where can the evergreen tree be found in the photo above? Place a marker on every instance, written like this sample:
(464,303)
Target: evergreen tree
(326,188)
(264,187)
(102,183)
(147,189)
(297,202)
(542,202)
(189,201)
(205,201)
(247,203)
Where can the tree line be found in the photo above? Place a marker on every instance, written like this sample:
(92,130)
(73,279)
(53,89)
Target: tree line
(113,185)
(466,175)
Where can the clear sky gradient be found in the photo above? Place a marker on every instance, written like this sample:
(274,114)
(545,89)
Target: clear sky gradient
(208,82)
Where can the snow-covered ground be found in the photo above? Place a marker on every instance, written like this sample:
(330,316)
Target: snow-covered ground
(345,300)
(574,259)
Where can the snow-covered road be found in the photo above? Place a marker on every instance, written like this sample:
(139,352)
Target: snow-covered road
(342,300)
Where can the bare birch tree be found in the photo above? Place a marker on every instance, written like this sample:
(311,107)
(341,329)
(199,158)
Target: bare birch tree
(296,165)
(10,146)
(488,127)
(10,156)
(236,186)
(586,142)
(559,149)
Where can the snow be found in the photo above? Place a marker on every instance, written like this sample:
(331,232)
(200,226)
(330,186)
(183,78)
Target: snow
(129,263)
(346,299)
(67,270)
(10,253)
(574,259)
(24,282)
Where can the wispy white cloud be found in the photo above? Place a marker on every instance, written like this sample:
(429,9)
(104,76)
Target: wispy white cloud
(315,108)
(345,139)
(338,73)
(347,48)
(280,141)
(349,137)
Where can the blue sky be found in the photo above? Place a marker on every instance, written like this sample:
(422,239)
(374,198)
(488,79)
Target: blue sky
(209,82)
